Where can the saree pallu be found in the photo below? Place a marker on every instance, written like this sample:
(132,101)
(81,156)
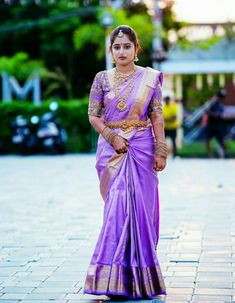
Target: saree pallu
(124,261)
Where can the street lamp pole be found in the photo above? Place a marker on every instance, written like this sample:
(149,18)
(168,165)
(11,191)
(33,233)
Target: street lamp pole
(157,47)
(108,60)
(107,21)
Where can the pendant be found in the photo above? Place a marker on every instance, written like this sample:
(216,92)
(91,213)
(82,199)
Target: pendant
(121,106)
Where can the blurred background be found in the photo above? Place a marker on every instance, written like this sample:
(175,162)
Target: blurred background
(50,52)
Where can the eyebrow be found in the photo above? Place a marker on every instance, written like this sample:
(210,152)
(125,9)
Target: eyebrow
(127,43)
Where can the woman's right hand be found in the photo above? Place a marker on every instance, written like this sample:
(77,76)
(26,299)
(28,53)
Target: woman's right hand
(120,144)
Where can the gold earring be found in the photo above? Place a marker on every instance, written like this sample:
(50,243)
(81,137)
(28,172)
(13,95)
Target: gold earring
(136,58)
(113,61)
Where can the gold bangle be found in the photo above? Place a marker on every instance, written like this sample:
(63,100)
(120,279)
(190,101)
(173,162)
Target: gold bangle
(161,149)
(108,134)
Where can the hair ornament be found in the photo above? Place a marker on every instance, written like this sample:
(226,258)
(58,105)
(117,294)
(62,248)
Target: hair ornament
(120,33)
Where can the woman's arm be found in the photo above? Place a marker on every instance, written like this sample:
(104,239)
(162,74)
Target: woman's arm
(158,126)
(97,123)
(95,110)
(160,154)
(155,115)
(119,143)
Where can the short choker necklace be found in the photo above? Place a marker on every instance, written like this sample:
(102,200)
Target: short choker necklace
(124,75)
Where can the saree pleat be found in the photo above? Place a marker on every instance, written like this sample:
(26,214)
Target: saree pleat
(125,261)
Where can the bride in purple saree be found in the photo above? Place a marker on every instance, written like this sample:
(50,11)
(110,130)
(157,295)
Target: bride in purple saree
(126,109)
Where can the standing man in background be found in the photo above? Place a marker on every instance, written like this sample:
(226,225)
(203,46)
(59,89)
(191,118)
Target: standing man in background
(170,112)
(215,125)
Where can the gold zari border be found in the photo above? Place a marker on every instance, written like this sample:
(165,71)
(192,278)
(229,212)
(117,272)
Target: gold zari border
(126,124)
(133,282)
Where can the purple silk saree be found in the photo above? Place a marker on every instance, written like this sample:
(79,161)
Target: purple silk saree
(124,261)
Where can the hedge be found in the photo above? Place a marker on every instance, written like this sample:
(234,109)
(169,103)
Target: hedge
(72,115)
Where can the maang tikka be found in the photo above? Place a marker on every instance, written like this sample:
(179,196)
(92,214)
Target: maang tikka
(120,33)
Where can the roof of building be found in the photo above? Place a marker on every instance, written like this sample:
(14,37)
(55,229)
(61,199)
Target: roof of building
(219,58)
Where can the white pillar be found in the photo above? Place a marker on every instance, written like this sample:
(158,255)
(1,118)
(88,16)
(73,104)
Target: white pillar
(178,87)
(210,80)
(234,79)
(168,86)
(199,82)
(221,80)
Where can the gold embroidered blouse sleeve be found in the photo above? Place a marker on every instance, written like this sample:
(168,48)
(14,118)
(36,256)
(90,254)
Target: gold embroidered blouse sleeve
(155,105)
(96,104)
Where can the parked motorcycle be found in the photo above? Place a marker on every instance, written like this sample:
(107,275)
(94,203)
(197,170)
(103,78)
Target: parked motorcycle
(24,136)
(52,136)
(44,134)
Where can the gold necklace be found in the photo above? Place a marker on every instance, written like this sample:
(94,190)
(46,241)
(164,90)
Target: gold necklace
(118,81)
(123,76)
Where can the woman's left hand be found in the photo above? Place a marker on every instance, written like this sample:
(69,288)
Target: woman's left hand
(159,163)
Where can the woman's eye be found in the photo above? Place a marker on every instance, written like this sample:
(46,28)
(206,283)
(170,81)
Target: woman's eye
(116,47)
(127,46)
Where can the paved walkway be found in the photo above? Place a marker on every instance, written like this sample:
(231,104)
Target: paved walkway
(51,212)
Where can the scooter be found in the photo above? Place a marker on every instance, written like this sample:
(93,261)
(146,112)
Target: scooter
(51,135)
(23,136)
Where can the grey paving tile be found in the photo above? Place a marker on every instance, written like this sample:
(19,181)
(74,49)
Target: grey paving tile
(30,284)
(202,268)
(175,284)
(211,298)
(14,296)
(217,285)
(44,296)
(9,301)
(55,284)
(62,290)
(176,297)
(179,291)
(180,278)
(16,289)
(212,291)
(214,274)
(43,301)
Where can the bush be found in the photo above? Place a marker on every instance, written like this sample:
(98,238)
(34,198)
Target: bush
(72,114)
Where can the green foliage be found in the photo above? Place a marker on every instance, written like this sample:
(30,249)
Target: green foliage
(198,149)
(71,113)
(197,97)
(205,44)
(94,33)
(91,33)
(21,66)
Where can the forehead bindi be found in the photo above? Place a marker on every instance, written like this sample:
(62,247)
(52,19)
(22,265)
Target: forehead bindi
(122,40)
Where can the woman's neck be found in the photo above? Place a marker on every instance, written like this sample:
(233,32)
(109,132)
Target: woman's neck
(125,69)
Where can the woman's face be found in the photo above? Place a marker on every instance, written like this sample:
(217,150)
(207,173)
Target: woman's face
(123,50)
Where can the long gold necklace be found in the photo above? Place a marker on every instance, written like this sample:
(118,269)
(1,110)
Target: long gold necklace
(119,79)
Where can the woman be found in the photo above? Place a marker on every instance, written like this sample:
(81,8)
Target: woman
(122,100)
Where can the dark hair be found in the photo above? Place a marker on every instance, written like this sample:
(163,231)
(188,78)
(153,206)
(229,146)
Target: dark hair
(167,98)
(127,30)
(221,93)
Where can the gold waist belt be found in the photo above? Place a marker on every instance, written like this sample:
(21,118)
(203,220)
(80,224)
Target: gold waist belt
(126,124)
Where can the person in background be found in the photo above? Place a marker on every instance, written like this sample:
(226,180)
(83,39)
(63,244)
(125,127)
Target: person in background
(215,124)
(170,112)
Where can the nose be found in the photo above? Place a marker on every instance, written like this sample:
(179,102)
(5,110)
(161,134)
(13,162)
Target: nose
(121,50)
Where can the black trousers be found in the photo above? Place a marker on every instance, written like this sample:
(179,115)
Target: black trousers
(171,133)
